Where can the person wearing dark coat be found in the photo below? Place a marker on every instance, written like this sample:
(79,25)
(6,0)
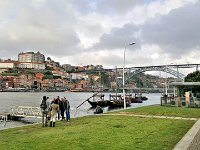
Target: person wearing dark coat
(43,105)
(62,108)
(58,102)
(98,110)
(67,108)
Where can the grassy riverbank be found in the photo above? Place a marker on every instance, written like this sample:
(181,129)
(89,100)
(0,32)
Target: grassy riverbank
(106,132)
(165,111)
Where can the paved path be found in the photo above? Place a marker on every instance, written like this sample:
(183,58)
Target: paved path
(195,144)
(191,140)
(149,116)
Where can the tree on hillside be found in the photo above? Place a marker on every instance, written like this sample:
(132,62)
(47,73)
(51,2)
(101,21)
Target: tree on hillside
(48,58)
(193,77)
(48,73)
(49,68)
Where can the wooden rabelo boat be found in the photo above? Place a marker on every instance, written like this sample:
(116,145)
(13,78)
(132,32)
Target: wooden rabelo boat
(138,98)
(116,100)
(98,99)
(133,99)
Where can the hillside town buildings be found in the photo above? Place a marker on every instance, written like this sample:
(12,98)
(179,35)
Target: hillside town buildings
(32,71)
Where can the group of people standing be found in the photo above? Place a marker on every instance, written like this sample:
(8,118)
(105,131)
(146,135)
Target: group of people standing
(57,108)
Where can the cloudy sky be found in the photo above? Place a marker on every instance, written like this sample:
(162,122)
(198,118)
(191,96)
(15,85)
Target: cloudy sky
(97,31)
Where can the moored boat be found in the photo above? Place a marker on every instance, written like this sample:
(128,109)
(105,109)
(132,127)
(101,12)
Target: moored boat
(138,98)
(116,100)
(98,100)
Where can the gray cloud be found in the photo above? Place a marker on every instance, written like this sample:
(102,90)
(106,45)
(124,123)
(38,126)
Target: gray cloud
(118,37)
(177,32)
(108,7)
(112,6)
(44,26)
(82,29)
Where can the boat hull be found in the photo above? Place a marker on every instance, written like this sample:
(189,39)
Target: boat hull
(117,104)
(102,103)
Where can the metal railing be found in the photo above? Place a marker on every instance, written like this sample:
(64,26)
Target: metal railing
(29,111)
(26,111)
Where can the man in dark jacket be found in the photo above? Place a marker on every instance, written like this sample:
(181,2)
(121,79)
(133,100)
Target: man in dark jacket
(67,108)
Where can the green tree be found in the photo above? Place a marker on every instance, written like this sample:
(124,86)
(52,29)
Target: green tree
(193,77)
(56,77)
(49,68)
(48,58)
(48,73)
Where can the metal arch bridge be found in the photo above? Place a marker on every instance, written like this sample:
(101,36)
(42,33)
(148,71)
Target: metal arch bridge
(171,69)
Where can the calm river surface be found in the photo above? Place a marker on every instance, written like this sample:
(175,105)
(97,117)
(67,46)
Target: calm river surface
(10,100)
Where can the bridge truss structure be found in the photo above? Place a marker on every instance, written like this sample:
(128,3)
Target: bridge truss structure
(170,69)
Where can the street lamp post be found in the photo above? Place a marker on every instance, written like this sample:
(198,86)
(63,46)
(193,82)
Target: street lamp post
(166,80)
(124,95)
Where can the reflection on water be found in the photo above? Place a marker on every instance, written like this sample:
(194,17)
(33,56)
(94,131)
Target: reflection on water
(10,100)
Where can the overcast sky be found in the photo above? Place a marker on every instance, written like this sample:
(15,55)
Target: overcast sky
(96,31)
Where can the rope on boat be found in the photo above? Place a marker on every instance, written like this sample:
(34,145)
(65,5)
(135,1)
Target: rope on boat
(87,100)
(83,103)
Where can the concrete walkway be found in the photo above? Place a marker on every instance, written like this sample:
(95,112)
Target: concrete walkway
(191,140)
(149,116)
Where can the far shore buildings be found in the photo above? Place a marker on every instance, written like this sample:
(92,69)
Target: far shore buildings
(28,60)
(36,61)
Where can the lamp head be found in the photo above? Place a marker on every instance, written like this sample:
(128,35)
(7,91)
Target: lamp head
(132,43)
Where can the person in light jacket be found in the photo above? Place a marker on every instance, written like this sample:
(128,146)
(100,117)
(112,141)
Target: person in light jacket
(54,112)
(48,102)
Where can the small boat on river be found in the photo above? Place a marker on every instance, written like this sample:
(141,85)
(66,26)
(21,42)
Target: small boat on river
(116,100)
(138,98)
(98,99)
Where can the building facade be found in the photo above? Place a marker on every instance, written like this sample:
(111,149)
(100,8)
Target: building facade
(186,94)
(6,64)
(31,60)
(31,57)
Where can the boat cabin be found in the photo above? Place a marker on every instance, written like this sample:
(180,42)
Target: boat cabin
(186,94)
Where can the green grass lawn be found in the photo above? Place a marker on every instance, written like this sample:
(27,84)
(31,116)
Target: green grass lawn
(165,111)
(98,132)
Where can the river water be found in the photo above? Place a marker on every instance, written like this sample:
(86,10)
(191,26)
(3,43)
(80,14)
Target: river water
(10,100)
